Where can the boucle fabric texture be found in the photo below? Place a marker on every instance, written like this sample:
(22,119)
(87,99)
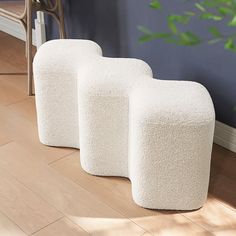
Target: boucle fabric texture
(159,134)
(171,136)
(56,65)
(104,88)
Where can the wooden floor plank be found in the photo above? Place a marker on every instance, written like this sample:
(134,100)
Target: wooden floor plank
(23,207)
(226,232)
(171,224)
(62,227)
(147,234)
(16,81)
(12,54)
(25,133)
(224,190)
(213,216)
(4,138)
(26,109)
(10,93)
(8,228)
(116,192)
(73,201)
(223,162)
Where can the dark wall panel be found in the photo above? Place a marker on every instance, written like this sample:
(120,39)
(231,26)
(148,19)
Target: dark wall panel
(113,24)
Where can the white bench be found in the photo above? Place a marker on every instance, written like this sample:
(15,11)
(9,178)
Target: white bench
(157,133)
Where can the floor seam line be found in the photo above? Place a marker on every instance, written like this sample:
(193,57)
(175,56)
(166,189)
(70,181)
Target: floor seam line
(14,103)
(52,162)
(108,205)
(77,225)
(11,141)
(47,225)
(35,193)
(196,223)
(13,222)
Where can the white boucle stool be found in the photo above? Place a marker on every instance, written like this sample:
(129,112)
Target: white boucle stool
(56,66)
(104,88)
(171,136)
(157,133)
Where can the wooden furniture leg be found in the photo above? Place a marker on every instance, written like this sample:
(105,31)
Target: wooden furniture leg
(61,20)
(29,47)
(21,12)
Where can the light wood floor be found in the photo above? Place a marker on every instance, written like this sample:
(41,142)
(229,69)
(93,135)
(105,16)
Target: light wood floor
(43,190)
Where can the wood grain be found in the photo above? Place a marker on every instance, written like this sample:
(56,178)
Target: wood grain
(16,7)
(72,200)
(9,93)
(26,134)
(213,216)
(4,138)
(171,224)
(22,206)
(26,109)
(62,227)
(12,54)
(116,192)
(8,228)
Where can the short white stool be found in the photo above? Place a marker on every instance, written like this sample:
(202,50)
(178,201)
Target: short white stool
(171,136)
(56,65)
(104,88)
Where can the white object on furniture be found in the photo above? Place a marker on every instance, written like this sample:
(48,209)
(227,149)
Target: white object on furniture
(40,29)
(157,133)
(171,136)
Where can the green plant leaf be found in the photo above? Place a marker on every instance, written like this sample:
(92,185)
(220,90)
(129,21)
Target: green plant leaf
(144,30)
(148,37)
(145,38)
(188,39)
(215,10)
(155,4)
(229,44)
(210,16)
(215,32)
(213,41)
(210,3)
(173,19)
(232,22)
(182,19)
(200,7)
(225,11)
(171,24)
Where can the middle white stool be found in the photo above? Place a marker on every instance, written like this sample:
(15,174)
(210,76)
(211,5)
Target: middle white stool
(104,88)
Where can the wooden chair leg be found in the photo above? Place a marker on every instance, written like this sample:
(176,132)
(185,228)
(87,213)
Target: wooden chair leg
(29,38)
(29,47)
(61,19)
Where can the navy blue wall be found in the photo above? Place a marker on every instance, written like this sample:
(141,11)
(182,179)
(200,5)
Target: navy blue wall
(113,24)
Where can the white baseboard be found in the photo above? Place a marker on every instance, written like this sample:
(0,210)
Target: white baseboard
(225,136)
(17,30)
(14,29)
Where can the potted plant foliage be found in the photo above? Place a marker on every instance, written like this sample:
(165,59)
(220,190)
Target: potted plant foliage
(220,13)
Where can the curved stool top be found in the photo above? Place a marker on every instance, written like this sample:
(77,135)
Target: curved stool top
(112,76)
(64,55)
(172,102)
